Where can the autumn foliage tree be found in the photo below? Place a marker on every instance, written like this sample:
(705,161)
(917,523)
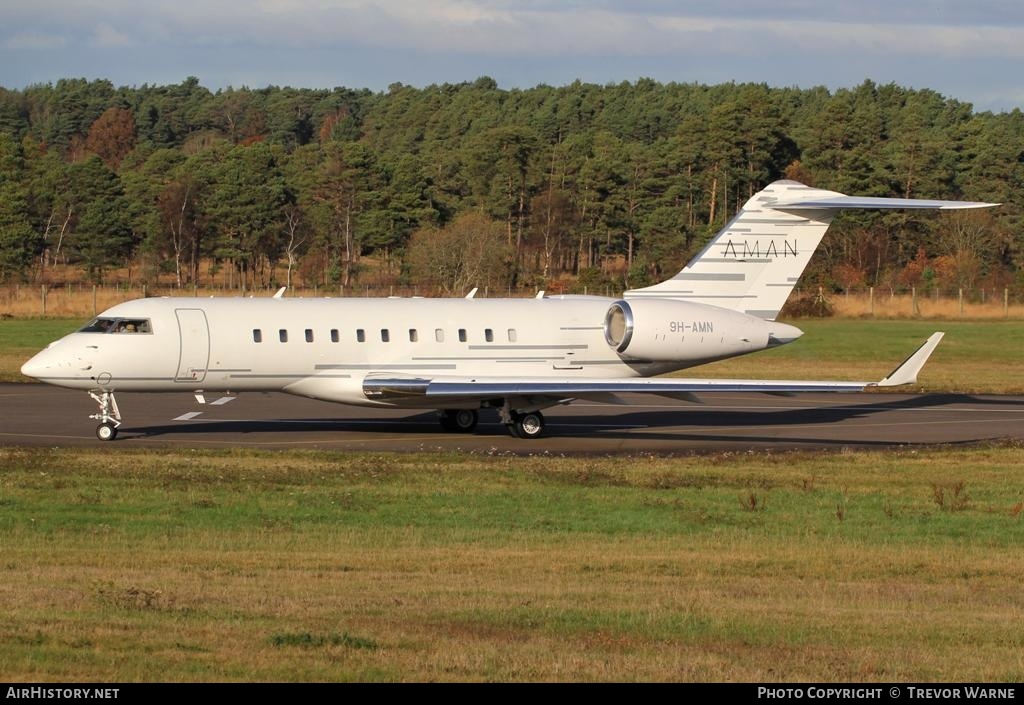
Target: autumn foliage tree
(112,136)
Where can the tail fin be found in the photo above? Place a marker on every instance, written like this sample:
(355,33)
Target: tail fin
(754,262)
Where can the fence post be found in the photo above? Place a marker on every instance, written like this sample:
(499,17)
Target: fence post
(42,297)
(913,301)
(94,300)
(143,291)
(960,300)
(871,300)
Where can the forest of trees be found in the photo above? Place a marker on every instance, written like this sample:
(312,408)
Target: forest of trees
(616,184)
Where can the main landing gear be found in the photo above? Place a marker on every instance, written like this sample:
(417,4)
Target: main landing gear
(522,424)
(458,420)
(109,415)
(528,425)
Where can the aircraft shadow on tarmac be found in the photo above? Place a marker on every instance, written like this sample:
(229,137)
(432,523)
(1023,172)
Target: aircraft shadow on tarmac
(641,425)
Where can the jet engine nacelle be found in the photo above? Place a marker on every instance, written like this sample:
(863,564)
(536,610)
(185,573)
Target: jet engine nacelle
(662,330)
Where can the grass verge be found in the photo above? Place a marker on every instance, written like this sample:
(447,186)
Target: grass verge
(241,565)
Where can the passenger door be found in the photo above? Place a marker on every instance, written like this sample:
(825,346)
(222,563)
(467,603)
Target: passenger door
(195,345)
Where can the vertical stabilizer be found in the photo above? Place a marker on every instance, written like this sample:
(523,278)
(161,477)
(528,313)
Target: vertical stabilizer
(754,262)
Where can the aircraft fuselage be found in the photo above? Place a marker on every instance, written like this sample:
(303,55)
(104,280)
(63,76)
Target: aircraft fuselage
(325,348)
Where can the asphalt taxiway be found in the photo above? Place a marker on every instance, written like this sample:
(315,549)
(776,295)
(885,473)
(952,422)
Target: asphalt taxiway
(38,415)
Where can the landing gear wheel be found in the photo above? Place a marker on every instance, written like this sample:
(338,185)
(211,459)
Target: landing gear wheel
(106,431)
(465,420)
(529,425)
(458,420)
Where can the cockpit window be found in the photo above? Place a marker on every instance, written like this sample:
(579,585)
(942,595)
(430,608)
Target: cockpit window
(118,325)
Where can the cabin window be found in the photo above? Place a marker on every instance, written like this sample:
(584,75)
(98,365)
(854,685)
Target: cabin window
(439,335)
(361,335)
(282,335)
(488,335)
(257,335)
(309,335)
(462,335)
(413,335)
(334,335)
(512,337)
(385,335)
(132,325)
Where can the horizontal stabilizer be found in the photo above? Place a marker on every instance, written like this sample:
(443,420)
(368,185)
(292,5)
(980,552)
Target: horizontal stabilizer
(907,372)
(843,202)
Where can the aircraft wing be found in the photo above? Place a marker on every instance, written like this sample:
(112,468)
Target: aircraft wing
(450,389)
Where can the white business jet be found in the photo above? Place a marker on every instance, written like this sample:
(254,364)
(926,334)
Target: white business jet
(460,355)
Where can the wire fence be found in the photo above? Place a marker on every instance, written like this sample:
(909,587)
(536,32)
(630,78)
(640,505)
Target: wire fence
(81,300)
(931,302)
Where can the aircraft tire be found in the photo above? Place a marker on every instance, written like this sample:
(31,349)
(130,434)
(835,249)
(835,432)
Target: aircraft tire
(465,420)
(106,431)
(529,425)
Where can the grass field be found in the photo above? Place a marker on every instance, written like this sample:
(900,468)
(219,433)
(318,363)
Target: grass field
(975,356)
(154,565)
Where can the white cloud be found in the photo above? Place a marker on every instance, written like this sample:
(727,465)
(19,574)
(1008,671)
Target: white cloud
(942,44)
(546,27)
(33,41)
(106,37)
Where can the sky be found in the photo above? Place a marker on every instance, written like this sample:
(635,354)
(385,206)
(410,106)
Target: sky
(972,51)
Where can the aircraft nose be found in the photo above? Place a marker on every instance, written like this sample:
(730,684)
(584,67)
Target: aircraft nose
(35,367)
(782,333)
(53,362)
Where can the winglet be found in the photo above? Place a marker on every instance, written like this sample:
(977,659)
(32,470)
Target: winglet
(472,293)
(906,373)
(280,292)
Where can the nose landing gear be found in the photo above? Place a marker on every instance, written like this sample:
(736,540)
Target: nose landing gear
(109,415)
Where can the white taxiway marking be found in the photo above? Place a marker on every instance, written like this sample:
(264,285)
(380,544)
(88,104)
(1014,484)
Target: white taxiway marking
(187,417)
(222,401)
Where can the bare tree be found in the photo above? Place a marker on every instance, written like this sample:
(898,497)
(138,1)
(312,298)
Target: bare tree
(297,233)
(970,241)
(471,251)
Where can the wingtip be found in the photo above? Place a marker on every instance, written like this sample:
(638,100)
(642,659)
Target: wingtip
(907,372)
(967,205)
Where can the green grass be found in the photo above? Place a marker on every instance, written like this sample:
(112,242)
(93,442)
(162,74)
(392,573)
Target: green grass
(165,565)
(974,357)
(21,338)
